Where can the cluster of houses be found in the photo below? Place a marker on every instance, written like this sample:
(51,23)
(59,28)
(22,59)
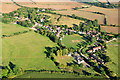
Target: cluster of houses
(94,49)
(78,59)
(93,57)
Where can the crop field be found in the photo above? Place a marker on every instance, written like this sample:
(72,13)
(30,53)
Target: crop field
(112,52)
(53,5)
(83,14)
(27,51)
(112,1)
(111,29)
(63,20)
(8,7)
(72,40)
(111,14)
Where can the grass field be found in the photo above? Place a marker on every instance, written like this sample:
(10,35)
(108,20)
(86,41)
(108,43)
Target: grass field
(11,28)
(72,40)
(112,52)
(63,20)
(49,75)
(27,51)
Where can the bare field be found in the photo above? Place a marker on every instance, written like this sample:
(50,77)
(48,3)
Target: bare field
(54,5)
(111,14)
(84,14)
(112,1)
(8,7)
(111,29)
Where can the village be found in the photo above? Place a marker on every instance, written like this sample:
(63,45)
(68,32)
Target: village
(90,52)
(60,31)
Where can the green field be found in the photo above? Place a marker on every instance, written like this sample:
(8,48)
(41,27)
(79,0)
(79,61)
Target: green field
(72,40)
(26,50)
(112,52)
(49,75)
(64,59)
(8,29)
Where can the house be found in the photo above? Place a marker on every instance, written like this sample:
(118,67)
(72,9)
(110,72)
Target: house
(16,17)
(81,32)
(80,61)
(89,51)
(69,54)
(41,20)
(15,23)
(94,49)
(43,10)
(61,38)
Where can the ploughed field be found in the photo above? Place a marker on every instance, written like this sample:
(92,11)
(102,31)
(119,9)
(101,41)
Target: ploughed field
(111,14)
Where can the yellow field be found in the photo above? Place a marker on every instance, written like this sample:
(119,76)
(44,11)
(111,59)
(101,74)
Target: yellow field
(63,20)
(8,7)
(111,29)
(83,14)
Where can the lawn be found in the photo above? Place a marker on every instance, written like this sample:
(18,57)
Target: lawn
(63,20)
(27,50)
(112,52)
(72,40)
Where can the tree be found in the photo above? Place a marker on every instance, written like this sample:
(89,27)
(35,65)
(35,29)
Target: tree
(64,51)
(105,20)
(81,65)
(59,52)
(5,71)
(95,22)
(65,26)
(99,28)
(90,24)
(55,39)
(81,26)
